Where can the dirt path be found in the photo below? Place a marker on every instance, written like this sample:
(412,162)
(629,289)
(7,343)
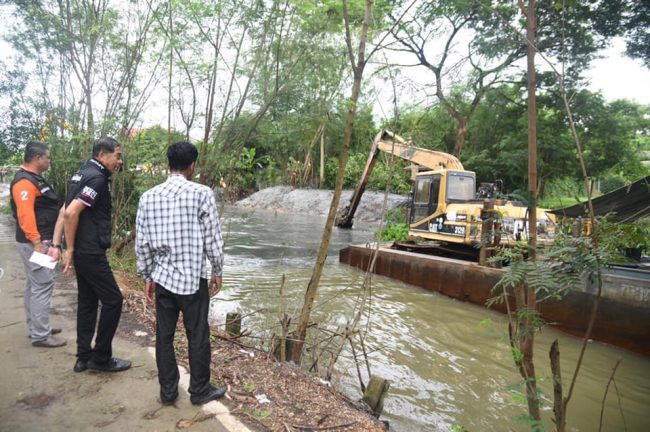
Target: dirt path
(41,392)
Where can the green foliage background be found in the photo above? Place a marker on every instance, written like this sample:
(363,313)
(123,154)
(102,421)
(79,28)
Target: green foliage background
(292,78)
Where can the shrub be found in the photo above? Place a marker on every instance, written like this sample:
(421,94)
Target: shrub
(620,239)
(393,232)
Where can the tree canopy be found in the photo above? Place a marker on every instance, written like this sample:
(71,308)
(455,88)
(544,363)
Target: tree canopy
(242,76)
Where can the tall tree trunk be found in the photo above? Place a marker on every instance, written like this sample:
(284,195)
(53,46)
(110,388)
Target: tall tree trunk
(531,31)
(527,303)
(169,83)
(460,135)
(321,177)
(89,108)
(358,66)
(203,147)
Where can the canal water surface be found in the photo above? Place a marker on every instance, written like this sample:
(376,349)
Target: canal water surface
(448,361)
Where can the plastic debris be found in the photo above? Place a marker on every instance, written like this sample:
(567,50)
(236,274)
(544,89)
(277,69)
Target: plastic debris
(261,398)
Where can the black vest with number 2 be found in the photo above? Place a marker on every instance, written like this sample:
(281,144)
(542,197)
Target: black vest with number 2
(46,206)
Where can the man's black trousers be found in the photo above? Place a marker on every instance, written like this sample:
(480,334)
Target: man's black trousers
(195,318)
(96,283)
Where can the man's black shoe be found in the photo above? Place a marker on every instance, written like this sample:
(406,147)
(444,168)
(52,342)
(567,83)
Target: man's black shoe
(113,365)
(213,393)
(80,365)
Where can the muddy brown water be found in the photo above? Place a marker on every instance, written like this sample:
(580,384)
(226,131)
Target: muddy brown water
(448,361)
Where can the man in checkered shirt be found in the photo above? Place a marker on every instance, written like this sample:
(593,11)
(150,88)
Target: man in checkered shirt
(177,228)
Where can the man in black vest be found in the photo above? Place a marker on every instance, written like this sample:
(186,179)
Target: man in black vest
(38,228)
(87,226)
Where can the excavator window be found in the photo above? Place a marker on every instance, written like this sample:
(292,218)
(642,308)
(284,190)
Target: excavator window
(422,190)
(425,198)
(460,187)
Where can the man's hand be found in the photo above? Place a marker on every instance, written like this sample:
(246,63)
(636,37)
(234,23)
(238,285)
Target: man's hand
(38,247)
(53,253)
(68,263)
(149,289)
(215,285)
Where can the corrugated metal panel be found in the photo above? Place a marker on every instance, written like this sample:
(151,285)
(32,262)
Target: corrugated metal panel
(626,204)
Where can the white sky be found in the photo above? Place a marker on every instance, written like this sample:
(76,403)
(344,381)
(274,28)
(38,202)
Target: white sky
(615,75)
(619,77)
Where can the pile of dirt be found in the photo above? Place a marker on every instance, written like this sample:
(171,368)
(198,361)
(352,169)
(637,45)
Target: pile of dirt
(317,201)
(263,393)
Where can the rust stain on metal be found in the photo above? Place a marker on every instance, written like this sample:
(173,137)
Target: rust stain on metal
(618,322)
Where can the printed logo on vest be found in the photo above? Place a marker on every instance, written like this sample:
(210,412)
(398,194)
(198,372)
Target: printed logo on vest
(89,192)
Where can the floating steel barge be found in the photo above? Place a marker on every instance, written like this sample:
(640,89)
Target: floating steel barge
(623,317)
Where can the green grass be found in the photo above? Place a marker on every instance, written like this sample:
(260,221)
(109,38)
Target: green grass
(558,202)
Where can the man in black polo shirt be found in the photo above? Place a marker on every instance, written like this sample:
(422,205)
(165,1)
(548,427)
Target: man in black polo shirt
(87,226)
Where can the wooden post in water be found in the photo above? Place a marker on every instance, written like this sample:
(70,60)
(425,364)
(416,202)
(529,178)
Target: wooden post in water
(233,324)
(576,227)
(375,392)
(487,228)
(495,243)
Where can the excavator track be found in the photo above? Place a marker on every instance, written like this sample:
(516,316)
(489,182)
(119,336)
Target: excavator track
(447,250)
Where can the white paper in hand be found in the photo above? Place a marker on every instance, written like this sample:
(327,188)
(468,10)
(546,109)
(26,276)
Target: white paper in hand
(42,260)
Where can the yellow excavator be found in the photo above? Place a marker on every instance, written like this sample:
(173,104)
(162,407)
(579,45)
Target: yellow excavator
(446,206)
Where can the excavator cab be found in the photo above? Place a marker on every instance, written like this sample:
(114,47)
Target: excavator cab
(434,190)
(433,193)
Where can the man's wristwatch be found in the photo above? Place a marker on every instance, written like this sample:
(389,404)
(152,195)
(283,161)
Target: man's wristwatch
(56,246)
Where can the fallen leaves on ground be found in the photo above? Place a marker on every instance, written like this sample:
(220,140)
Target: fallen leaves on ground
(265,394)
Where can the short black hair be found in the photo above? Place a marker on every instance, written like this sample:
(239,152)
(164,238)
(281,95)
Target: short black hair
(181,155)
(34,149)
(106,145)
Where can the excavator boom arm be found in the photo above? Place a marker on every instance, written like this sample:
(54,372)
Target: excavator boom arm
(431,159)
(391,143)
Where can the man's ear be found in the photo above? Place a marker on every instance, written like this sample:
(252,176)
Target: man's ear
(189,172)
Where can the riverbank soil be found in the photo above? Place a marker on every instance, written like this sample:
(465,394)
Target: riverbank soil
(265,394)
(40,391)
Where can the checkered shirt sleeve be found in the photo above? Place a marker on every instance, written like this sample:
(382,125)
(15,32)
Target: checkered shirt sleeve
(177,228)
